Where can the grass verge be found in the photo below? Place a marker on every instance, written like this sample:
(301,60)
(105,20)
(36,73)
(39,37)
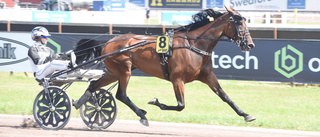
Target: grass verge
(275,105)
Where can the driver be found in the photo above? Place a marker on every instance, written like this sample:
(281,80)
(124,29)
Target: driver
(43,60)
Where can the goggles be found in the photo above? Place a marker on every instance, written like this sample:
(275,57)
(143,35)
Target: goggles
(45,37)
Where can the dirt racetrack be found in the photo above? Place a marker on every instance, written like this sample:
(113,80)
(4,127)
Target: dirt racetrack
(10,126)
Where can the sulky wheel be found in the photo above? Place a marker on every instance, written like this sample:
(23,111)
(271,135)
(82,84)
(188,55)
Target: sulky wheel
(52,112)
(100,110)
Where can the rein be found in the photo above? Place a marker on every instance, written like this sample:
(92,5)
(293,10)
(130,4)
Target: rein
(102,44)
(236,20)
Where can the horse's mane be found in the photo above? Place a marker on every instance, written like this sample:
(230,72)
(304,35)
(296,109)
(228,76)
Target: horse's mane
(200,19)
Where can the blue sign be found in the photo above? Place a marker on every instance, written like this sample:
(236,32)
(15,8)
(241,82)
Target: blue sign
(98,6)
(51,16)
(214,3)
(107,5)
(139,3)
(299,4)
(176,18)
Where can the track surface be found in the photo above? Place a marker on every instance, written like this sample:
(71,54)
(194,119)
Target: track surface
(10,126)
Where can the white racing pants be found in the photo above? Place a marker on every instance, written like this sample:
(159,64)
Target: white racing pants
(51,67)
(57,65)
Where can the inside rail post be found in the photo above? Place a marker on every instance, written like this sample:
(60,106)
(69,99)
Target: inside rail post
(163,29)
(110,29)
(275,33)
(9,25)
(60,27)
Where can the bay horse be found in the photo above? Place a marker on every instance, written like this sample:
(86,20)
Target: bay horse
(190,60)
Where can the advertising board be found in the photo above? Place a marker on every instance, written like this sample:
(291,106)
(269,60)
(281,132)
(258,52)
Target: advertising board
(299,4)
(108,5)
(256,4)
(214,3)
(177,18)
(196,4)
(270,60)
(14,50)
(139,3)
(51,16)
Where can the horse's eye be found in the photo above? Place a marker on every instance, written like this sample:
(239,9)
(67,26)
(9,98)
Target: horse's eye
(237,17)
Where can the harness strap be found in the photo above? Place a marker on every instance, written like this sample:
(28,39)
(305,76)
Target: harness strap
(165,67)
(199,51)
(194,49)
(164,57)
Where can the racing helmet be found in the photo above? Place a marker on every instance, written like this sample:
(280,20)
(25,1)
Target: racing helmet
(39,31)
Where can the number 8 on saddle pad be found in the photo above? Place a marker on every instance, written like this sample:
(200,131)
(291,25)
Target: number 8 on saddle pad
(162,44)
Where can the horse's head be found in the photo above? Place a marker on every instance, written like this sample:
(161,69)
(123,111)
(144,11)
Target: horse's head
(238,30)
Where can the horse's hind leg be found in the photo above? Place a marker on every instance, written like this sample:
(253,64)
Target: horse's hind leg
(94,85)
(122,96)
(212,81)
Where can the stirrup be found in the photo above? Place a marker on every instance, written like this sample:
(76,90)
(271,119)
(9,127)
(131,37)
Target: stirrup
(40,81)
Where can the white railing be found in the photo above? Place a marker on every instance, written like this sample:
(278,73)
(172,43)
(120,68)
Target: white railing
(261,19)
(281,18)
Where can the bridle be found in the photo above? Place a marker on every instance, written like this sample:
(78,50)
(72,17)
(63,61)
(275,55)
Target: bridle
(241,34)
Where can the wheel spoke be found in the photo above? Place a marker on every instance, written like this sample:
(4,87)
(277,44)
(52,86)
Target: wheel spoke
(44,100)
(96,119)
(90,115)
(50,119)
(57,99)
(44,116)
(57,118)
(43,108)
(103,118)
(107,113)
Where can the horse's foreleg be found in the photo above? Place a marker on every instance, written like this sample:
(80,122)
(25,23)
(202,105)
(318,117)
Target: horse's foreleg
(178,86)
(212,81)
(122,96)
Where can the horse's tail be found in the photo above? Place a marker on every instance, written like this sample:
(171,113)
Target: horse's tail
(88,49)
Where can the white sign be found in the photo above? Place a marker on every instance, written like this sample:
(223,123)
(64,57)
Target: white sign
(257,4)
(14,51)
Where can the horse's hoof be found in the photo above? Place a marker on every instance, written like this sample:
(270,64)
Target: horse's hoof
(249,118)
(154,101)
(144,122)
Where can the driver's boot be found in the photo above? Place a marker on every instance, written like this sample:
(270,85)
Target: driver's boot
(77,104)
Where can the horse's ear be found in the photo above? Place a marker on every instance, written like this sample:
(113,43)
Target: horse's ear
(232,8)
(229,10)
